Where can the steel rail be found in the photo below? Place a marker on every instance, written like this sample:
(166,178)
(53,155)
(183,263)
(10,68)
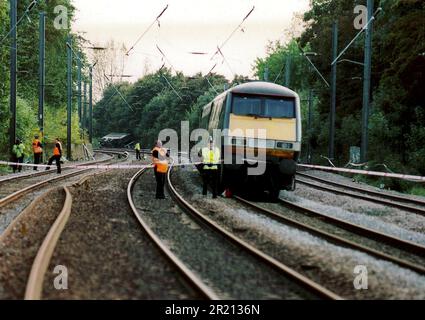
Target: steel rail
(331,237)
(406,245)
(46,172)
(189,275)
(34,288)
(18,194)
(416,210)
(388,196)
(305,282)
(42,260)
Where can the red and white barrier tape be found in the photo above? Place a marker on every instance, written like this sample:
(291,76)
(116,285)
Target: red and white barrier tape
(365,172)
(91,166)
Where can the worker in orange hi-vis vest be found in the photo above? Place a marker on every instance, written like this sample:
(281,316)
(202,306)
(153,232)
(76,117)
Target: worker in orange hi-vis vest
(160,162)
(37,150)
(57,154)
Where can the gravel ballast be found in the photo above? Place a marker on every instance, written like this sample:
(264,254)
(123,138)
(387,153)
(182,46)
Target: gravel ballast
(226,268)
(328,264)
(19,245)
(106,253)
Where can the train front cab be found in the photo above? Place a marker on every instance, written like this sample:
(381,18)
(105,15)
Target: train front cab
(276,109)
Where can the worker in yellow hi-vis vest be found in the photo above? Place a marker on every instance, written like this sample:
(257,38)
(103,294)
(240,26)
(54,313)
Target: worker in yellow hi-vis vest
(211,160)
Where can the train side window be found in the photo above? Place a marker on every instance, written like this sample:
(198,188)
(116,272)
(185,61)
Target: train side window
(206,116)
(215,114)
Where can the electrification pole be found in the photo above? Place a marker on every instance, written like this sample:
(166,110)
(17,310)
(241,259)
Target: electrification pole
(69,94)
(366,83)
(85,106)
(79,87)
(91,104)
(332,114)
(13,71)
(42,73)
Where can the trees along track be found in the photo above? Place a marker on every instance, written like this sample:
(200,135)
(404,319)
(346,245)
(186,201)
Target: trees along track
(409,204)
(18,194)
(305,282)
(411,247)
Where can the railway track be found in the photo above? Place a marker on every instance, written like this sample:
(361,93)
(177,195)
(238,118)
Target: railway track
(347,240)
(309,285)
(14,188)
(43,172)
(34,287)
(404,203)
(195,282)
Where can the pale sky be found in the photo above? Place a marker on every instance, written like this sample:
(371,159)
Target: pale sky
(187,26)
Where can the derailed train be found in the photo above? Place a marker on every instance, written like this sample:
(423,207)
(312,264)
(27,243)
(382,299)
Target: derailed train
(244,110)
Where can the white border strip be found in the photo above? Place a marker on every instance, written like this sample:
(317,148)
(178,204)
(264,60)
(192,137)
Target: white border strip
(365,172)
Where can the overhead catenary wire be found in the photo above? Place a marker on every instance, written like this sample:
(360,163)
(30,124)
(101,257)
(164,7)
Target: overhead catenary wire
(119,93)
(147,30)
(225,60)
(165,58)
(171,86)
(233,32)
(27,11)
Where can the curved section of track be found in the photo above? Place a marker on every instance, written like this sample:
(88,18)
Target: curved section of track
(332,237)
(42,260)
(303,281)
(409,204)
(194,280)
(21,192)
(405,245)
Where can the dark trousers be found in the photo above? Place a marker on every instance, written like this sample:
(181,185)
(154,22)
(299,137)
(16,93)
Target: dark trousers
(210,177)
(37,159)
(18,167)
(58,162)
(160,183)
(138,157)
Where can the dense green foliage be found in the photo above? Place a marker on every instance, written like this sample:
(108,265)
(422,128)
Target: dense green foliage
(154,104)
(396,128)
(28,81)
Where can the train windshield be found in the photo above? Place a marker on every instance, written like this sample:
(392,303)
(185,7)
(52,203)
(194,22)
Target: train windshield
(264,107)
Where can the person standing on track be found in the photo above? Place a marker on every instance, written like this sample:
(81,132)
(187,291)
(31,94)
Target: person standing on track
(38,151)
(57,154)
(210,159)
(160,162)
(138,149)
(18,155)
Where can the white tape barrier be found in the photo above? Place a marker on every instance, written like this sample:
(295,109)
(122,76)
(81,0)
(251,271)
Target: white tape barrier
(93,166)
(365,172)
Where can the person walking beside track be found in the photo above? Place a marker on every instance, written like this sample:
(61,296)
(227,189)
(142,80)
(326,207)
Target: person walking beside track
(37,150)
(18,155)
(210,159)
(57,154)
(160,162)
(138,148)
